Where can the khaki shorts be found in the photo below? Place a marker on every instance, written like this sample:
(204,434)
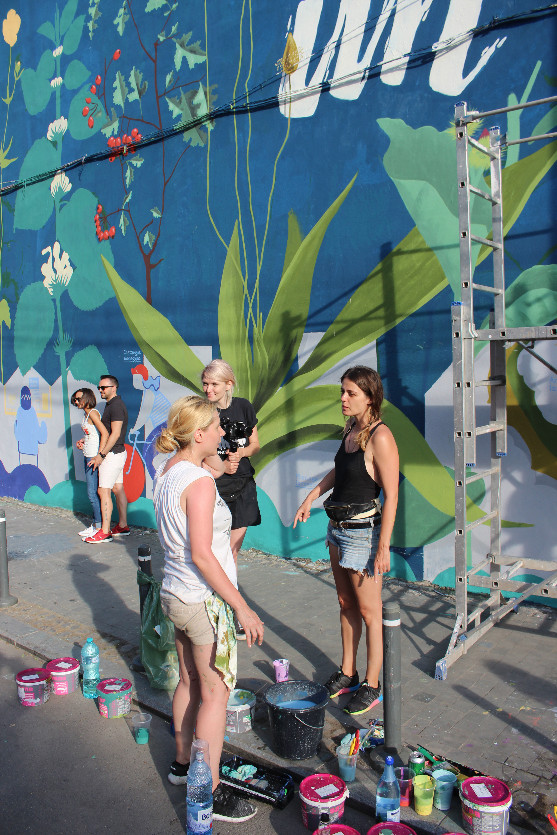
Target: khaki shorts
(190,618)
(111,471)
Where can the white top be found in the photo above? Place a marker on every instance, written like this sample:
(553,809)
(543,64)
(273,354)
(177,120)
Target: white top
(92,437)
(181,576)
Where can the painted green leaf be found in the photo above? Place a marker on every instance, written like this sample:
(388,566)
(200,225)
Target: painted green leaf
(123,222)
(121,18)
(110,127)
(293,241)
(89,287)
(526,416)
(152,5)
(169,79)
(5,313)
(183,110)
(73,35)
(68,14)
(287,317)
(88,364)
(148,239)
(34,204)
(4,161)
(233,337)
(138,86)
(318,405)
(156,212)
(33,326)
(75,75)
(35,84)
(160,342)
(546,124)
(120,90)
(291,440)
(47,29)
(128,176)
(191,52)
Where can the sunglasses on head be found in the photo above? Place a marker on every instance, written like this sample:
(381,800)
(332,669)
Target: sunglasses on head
(102,388)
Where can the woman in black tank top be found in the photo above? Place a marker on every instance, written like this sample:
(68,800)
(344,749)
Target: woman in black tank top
(359,547)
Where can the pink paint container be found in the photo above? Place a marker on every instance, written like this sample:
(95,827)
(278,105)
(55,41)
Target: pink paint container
(33,686)
(322,793)
(114,697)
(281,665)
(486,802)
(394,828)
(340,829)
(64,673)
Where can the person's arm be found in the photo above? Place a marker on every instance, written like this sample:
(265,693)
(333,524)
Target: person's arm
(198,502)
(327,483)
(104,449)
(95,419)
(234,458)
(383,450)
(214,465)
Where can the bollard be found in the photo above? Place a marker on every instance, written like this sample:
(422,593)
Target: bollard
(392,677)
(6,599)
(144,564)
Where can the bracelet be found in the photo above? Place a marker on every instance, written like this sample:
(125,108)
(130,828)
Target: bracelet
(102,454)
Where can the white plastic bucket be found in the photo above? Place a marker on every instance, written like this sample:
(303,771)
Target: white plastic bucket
(239,711)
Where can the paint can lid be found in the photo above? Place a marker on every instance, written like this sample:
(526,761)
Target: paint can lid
(323,789)
(34,675)
(485,791)
(110,686)
(391,826)
(62,666)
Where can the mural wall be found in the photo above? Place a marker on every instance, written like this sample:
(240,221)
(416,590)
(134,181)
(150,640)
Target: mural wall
(273,183)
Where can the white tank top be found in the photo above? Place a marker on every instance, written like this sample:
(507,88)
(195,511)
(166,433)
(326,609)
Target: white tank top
(182,578)
(92,437)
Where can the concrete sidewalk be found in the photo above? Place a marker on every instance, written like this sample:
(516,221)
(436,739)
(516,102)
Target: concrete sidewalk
(496,712)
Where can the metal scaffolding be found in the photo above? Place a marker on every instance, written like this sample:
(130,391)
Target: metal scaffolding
(470,626)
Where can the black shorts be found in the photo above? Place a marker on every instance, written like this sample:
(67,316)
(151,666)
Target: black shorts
(243,506)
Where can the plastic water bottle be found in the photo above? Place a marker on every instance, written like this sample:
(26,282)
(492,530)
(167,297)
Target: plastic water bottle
(387,799)
(199,797)
(90,667)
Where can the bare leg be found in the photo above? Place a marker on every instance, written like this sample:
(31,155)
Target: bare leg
(121,504)
(368,593)
(350,617)
(187,696)
(211,716)
(105,495)
(236,538)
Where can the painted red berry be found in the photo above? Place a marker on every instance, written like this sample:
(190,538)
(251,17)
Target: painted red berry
(117,54)
(112,158)
(88,100)
(85,111)
(105,235)
(93,89)
(112,231)
(96,218)
(90,121)
(98,80)
(99,208)
(117,142)
(135,132)
(139,137)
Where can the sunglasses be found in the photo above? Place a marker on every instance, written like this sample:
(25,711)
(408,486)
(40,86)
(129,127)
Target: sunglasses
(75,400)
(102,388)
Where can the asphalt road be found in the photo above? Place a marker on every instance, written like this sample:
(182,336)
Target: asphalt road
(63,768)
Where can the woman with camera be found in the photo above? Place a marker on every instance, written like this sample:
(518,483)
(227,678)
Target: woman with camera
(236,485)
(359,531)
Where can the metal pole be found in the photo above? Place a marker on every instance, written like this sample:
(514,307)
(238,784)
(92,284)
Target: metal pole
(6,599)
(392,677)
(144,564)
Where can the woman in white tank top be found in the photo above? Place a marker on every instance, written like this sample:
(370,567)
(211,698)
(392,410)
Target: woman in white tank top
(93,432)
(199,591)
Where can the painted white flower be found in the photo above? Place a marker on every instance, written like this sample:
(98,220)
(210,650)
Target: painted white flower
(58,51)
(56,81)
(60,183)
(57,270)
(57,129)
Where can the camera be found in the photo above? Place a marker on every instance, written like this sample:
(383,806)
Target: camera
(236,433)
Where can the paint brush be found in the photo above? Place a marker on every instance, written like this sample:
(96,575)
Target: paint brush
(357,741)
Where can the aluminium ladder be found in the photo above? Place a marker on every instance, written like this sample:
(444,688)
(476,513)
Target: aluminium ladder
(470,626)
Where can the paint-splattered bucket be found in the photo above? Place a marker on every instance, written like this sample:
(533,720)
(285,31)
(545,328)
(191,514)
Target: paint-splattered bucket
(339,829)
(33,686)
(115,697)
(65,675)
(392,827)
(322,793)
(239,711)
(485,806)
(296,717)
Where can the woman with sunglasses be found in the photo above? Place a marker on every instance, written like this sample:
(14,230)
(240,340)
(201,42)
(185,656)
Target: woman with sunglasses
(94,432)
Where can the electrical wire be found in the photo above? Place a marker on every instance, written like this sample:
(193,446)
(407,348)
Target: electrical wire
(246,104)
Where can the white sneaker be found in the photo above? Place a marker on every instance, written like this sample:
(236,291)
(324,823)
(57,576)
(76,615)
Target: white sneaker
(90,531)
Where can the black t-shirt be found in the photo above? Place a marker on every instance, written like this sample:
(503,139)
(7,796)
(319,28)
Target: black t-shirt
(241,410)
(115,409)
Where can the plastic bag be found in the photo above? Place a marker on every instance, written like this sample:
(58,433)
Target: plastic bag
(157,648)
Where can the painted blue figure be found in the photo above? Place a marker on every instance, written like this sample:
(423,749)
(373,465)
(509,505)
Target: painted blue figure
(29,433)
(152,413)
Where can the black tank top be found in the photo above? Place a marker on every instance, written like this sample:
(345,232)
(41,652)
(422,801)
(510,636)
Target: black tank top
(353,483)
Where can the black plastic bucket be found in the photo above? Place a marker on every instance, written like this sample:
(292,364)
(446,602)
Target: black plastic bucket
(297,729)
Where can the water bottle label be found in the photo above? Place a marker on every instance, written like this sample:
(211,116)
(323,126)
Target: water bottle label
(199,819)
(392,814)
(90,659)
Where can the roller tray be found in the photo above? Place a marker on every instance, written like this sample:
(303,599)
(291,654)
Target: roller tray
(279,788)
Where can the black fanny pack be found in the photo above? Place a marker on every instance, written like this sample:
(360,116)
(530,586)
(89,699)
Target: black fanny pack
(341,511)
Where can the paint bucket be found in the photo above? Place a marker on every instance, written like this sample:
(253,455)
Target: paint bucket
(391,826)
(239,711)
(33,686)
(115,697)
(296,716)
(485,805)
(322,793)
(339,829)
(65,675)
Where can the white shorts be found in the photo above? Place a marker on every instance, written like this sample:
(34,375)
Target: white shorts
(111,471)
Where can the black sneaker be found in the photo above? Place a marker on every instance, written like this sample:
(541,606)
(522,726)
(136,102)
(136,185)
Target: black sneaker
(178,773)
(227,806)
(340,683)
(366,698)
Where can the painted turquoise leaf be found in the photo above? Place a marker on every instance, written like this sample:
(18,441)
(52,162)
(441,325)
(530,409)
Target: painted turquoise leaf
(75,75)
(78,123)
(34,204)
(35,84)
(33,326)
(47,29)
(88,364)
(158,339)
(73,35)
(191,52)
(67,16)
(153,5)
(120,90)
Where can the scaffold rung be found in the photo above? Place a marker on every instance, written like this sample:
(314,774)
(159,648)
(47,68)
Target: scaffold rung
(485,241)
(493,426)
